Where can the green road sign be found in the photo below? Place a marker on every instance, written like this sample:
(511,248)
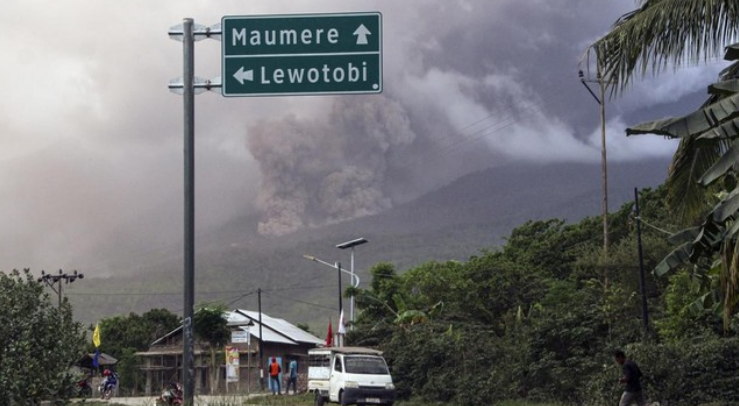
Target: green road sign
(301,54)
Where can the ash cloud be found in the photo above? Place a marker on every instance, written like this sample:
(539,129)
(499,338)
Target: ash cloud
(471,85)
(317,171)
(91,162)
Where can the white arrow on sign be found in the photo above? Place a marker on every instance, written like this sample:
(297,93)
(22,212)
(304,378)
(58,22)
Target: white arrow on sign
(241,75)
(362,32)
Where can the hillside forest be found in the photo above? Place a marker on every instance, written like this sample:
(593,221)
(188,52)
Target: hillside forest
(539,318)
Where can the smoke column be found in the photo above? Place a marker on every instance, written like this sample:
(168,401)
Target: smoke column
(329,169)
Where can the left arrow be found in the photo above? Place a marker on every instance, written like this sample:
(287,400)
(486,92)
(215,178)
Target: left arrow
(241,75)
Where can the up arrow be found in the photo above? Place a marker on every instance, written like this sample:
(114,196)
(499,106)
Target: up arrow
(362,32)
(241,75)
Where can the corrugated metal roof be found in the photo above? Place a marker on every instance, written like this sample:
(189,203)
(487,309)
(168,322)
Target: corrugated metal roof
(274,330)
(282,326)
(270,336)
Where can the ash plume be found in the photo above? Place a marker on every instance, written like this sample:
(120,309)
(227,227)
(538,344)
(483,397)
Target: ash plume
(329,169)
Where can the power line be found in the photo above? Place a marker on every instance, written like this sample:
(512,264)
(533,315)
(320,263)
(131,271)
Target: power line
(199,293)
(661,230)
(292,299)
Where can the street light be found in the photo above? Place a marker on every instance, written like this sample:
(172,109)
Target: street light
(351,244)
(354,278)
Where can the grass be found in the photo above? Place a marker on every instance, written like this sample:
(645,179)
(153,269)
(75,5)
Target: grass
(301,400)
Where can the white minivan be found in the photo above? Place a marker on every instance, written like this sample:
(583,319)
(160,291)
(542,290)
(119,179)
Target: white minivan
(349,375)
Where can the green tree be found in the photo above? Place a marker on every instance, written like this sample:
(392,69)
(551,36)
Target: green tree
(38,342)
(211,328)
(123,336)
(661,33)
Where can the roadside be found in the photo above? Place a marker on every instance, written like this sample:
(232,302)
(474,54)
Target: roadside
(207,400)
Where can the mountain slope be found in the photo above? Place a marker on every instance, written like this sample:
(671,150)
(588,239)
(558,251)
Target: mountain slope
(475,212)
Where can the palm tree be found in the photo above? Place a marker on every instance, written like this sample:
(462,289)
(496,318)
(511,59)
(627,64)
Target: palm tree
(664,33)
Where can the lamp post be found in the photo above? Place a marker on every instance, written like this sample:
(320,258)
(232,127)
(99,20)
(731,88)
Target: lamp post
(354,278)
(351,244)
(51,279)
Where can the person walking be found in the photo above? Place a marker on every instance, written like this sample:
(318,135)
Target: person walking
(631,377)
(274,377)
(292,377)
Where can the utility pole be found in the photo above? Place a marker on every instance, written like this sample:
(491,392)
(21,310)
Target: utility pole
(261,340)
(51,279)
(642,284)
(604,161)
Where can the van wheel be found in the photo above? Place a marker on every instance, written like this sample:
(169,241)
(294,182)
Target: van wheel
(342,401)
(318,400)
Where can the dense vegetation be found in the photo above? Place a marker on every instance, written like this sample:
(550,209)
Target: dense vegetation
(124,336)
(39,342)
(539,319)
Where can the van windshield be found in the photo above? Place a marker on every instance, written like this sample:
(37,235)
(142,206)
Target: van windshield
(365,365)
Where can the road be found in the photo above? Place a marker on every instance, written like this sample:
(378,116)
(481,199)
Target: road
(199,400)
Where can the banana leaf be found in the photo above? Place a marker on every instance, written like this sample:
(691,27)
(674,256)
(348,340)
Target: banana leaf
(732,52)
(726,208)
(724,88)
(678,257)
(693,124)
(683,236)
(727,162)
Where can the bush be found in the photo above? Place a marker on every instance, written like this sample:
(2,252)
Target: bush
(697,371)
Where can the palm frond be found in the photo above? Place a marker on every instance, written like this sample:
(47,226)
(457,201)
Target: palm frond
(664,32)
(685,196)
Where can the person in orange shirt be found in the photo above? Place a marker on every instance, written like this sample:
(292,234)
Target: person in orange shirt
(274,377)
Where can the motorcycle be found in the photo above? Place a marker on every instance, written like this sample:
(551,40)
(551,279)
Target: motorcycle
(106,390)
(83,388)
(171,396)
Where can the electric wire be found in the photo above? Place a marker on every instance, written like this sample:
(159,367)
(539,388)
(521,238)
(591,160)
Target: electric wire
(661,230)
(292,299)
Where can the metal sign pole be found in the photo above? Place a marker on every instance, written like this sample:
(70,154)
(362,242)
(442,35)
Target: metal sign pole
(188,367)
(188,86)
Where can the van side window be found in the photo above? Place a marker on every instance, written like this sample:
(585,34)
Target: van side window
(320,360)
(337,364)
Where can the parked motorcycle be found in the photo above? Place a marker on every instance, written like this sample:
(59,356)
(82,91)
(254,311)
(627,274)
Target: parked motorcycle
(83,388)
(172,396)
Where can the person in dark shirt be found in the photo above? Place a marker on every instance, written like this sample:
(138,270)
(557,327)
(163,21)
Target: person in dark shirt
(632,379)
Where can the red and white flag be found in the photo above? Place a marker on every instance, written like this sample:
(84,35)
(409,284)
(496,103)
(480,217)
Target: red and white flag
(342,329)
(329,335)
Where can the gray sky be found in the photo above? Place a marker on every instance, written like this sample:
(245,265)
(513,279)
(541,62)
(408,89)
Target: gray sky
(91,139)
